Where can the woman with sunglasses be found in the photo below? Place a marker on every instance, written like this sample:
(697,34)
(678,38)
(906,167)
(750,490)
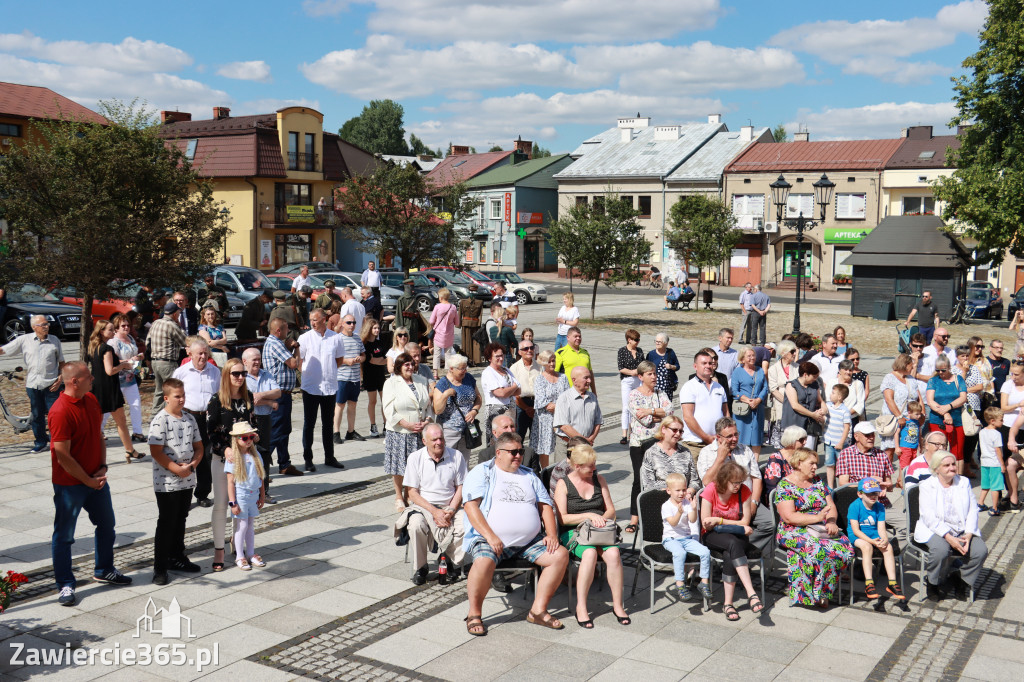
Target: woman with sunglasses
(781,373)
(978,360)
(667,456)
(853,355)
(498,387)
(398,341)
(127,350)
(646,409)
(972,377)
(946,396)
(407,410)
(231,404)
(106,385)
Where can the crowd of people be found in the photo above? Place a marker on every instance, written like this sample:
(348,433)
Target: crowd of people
(536,494)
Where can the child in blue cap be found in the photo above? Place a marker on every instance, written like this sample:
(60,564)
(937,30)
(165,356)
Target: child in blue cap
(865,526)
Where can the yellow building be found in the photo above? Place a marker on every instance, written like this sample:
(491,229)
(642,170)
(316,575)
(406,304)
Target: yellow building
(276,174)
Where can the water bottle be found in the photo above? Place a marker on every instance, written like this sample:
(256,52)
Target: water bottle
(442,570)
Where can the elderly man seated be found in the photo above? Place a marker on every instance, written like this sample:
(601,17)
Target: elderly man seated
(864,460)
(434,475)
(510,516)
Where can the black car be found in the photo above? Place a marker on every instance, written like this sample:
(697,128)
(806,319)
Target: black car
(26,300)
(1016,303)
(984,303)
(424,290)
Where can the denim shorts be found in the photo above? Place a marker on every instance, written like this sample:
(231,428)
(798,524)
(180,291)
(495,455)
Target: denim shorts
(530,551)
(348,392)
(831,455)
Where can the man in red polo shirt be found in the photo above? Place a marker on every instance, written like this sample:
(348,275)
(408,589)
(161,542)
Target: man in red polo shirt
(78,455)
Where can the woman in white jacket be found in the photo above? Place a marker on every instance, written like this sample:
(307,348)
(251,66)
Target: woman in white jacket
(948,525)
(406,403)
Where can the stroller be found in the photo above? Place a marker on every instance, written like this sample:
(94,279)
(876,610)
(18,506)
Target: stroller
(903,333)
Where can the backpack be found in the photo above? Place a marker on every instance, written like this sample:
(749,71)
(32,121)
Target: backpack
(481,335)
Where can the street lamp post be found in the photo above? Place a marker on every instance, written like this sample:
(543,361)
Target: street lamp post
(780,196)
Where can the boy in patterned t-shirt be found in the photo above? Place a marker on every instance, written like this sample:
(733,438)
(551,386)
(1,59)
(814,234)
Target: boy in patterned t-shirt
(176,447)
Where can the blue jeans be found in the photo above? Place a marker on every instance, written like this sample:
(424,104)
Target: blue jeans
(680,547)
(69,501)
(928,333)
(280,428)
(561,340)
(41,400)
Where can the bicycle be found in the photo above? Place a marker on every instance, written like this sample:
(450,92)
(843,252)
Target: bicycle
(20,424)
(959,313)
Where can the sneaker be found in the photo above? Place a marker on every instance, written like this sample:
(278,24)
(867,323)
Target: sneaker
(353,435)
(267,499)
(206,502)
(67,596)
(373,431)
(40,448)
(870,591)
(183,564)
(1016,508)
(1004,504)
(896,592)
(113,577)
(160,578)
(337,438)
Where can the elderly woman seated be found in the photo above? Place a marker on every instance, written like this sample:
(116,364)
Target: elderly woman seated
(668,456)
(583,496)
(817,551)
(947,525)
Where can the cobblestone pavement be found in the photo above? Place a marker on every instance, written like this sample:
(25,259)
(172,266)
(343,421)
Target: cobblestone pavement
(335,601)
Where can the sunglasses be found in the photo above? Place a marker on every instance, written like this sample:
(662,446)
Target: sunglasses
(673,430)
(525,348)
(246,438)
(349,321)
(943,336)
(517,452)
(917,345)
(237,374)
(402,336)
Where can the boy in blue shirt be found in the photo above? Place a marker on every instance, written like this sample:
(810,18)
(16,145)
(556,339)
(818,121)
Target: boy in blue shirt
(865,526)
(838,430)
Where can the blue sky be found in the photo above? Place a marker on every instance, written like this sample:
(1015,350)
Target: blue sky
(554,71)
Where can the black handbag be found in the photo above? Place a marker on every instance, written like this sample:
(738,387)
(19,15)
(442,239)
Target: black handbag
(470,430)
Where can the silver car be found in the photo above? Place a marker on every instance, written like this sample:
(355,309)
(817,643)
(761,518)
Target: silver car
(525,292)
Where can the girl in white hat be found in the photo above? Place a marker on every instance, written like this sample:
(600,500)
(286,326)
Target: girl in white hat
(244,469)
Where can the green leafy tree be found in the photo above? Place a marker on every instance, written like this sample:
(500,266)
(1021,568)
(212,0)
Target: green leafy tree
(90,206)
(702,230)
(779,133)
(601,240)
(985,195)
(378,129)
(496,148)
(539,152)
(417,147)
(393,210)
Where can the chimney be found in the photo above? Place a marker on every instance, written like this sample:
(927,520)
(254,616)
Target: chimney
(918,133)
(802,136)
(714,118)
(457,149)
(221,112)
(747,133)
(666,133)
(174,116)
(524,147)
(426,157)
(638,122)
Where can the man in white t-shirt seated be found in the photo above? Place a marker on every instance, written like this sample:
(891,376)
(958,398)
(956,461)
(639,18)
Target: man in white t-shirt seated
(509,516)
(434,475)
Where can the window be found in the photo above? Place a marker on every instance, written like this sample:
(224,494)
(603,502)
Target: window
(581,201)
(289,194)
(190,151)
(644,206)
(851,206)
(483,252)
(797,203)
(599,205)
(496,209)
(918,205)
(10,129)
(310,144)
(628,199)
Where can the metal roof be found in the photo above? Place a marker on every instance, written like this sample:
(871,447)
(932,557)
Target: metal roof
(643,156)
(708,162)
(591,144)
(510,174)
(910,241)
(784,157)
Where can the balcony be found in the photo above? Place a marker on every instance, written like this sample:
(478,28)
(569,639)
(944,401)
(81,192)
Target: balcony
(305,215)
(300,161)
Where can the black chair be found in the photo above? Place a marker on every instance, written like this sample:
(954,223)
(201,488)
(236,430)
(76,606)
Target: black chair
(545,476)
(918,548)
(652,553)
(843,497)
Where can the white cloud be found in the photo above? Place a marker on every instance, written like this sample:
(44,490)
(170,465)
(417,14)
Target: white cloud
(498,120)
(873,121)
(871,47)
(129,56)
(576,21)
(264,106)
(246,71)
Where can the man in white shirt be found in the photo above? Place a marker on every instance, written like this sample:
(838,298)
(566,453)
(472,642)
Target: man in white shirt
(433,481)
(748,290)
(727,359)
(350,306)
(201,380)
(321,356)
(828,359)
(702,401)
(302,280)
(371,278)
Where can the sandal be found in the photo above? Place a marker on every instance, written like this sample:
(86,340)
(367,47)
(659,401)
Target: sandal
(243,564)
(755,604)
(730,612)
(544,619)
(257,560)
(585,624)
(632,528)
(475,626)
(623,620)
(218,566)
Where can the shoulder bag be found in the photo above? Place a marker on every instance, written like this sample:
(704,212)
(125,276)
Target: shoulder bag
(430,334)
(969,421)
(470,430)
(606,535)
(887,425)
(740,408)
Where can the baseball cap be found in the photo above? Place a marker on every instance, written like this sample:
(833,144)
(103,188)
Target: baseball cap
(171,307)
(869,485)
(864,427)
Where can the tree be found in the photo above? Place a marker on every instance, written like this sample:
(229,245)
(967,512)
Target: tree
(393,210)
(602,240)
(985,195)
(779,133)
(539,152)
(417,147)
(496,148)
(702,231)
(90,206)
(378,129)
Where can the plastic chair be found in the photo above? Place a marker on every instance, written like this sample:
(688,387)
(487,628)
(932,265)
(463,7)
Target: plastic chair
(843,497)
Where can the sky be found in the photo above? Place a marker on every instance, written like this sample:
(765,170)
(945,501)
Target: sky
(482,74)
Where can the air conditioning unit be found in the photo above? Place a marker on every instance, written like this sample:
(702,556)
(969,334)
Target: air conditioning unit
(771,228)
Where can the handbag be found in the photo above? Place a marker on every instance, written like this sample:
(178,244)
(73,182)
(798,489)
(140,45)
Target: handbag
(470,430)
(886,425)
(430,334)
(589,535)
(970,423)
(740,408)
(818,530)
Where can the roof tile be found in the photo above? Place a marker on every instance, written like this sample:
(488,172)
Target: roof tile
(804,156)
(32,101)
(461,167)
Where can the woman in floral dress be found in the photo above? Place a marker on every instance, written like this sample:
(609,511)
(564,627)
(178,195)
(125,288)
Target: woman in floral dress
(817,551)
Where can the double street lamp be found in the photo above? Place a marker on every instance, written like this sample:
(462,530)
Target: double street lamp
(823,189)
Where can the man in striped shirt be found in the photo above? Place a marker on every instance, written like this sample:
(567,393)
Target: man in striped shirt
(281,362)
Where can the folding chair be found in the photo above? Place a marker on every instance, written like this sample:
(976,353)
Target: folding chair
(917,548)
(843,497)
(652,553)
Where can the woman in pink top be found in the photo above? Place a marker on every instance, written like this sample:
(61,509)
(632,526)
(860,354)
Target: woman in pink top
(443,320)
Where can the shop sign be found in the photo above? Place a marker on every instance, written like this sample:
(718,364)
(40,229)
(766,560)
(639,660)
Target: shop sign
(266,247)
(524,218)
(845,235)
(508,209)
(301,214)
(469,255)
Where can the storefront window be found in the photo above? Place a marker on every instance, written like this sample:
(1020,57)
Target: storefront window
(842,273)
(293,248)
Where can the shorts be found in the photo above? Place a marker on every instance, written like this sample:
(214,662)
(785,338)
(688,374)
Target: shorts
(992,479)
(906,455)
(531,551)
(568,540)
(831,455)
(348,392)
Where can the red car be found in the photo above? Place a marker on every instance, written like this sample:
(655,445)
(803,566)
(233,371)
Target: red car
(482,280)
(101,310)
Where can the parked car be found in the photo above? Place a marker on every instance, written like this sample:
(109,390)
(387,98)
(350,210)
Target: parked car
(482,280)
(246,283)
(1016,302)
(457,283)
(388,295)
(25,300)
(233,314)
(313,265)
(981,304)
(423,288)
(102,310)
(526,292)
